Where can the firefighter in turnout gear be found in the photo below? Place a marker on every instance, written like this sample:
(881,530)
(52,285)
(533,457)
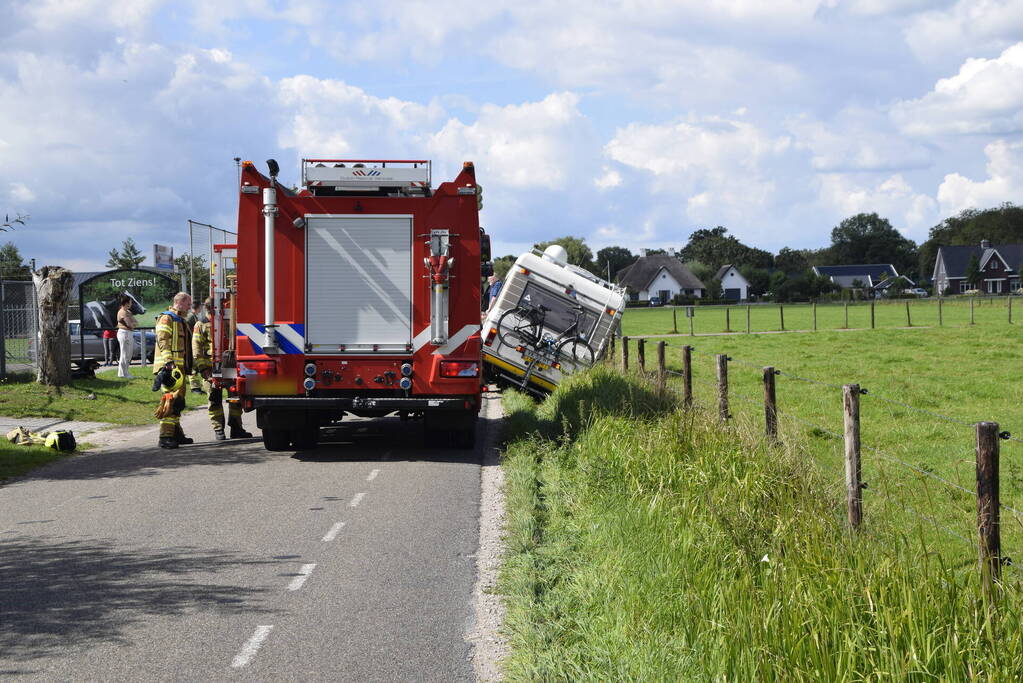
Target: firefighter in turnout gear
(173,362)
(202,348)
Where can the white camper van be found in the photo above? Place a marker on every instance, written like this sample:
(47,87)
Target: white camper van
(550,319)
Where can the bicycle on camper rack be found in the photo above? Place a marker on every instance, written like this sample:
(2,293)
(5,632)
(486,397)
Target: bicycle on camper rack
(522,328)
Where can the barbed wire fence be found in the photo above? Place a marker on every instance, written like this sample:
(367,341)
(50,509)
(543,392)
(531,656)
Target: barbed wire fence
(983,533)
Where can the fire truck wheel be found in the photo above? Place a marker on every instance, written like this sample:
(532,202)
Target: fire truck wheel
(306,438)
(276,439)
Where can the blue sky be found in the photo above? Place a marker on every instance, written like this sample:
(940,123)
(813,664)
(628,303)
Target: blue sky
(630,123)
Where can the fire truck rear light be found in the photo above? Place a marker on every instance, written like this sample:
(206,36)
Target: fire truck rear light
(257,367)
(406,370)
(310,369)
(459,368)
(309,384)
(405,383)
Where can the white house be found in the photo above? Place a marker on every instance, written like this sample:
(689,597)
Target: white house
(660,275)
(734,286)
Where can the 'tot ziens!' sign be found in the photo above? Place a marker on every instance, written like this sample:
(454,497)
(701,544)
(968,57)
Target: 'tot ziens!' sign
(149,294)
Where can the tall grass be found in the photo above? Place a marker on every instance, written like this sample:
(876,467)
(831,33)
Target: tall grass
(649,543)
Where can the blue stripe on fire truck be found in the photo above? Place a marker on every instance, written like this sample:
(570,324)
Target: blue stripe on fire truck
(290,337)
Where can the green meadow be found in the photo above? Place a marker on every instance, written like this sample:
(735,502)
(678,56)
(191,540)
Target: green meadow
(925,389)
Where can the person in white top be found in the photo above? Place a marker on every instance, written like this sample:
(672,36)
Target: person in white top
(126,325)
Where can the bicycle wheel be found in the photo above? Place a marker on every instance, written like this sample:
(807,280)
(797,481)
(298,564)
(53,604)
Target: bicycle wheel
(575,352)
(516,327)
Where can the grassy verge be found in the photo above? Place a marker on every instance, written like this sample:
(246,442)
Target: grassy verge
(16,461)
(120,401)
(645,543)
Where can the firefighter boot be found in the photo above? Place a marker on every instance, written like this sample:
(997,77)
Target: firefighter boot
(219,435)
(168,442)
(179,436)
(238,432)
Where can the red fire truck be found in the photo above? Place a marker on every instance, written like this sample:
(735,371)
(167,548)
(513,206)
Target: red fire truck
(357,294)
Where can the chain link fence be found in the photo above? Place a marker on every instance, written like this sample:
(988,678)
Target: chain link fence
(201,238)
(19,327)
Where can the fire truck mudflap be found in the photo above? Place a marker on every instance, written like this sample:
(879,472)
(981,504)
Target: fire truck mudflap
(359,294)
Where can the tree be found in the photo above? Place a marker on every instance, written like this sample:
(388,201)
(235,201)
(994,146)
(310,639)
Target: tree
(791,261)
(127,258)
(578,253)
(53,289)
(973,271)
(194,266)
(759,280)
(716,248)
(612,259)
(10,223)
(12,265)
(868,238)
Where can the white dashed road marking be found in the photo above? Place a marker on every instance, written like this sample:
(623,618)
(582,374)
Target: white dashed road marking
(251,647)
(372,475)
(356,499)
(334,530)
(303,574)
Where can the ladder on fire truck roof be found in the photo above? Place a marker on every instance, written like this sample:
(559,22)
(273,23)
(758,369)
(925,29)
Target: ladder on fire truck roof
(361,175)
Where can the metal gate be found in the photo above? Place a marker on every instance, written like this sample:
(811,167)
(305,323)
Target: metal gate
(19,327)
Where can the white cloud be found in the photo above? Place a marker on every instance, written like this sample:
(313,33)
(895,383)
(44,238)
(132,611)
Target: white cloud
(608,179)
(910,211)
(1004,182)
(969,27)
(326,117)
(986,96)
(20,194)
(719,167)
(857,140)
(534,144)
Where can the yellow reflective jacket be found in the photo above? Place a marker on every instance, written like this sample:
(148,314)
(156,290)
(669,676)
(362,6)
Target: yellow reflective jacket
(173,342)
(202,346)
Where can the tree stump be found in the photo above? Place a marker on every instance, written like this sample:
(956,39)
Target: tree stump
(53,289)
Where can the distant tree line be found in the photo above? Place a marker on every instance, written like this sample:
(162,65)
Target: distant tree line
(788,275)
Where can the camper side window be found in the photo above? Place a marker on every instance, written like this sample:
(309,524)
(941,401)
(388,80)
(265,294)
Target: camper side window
(561,316)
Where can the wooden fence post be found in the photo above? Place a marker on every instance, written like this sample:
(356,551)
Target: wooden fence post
(988,505)
(641,353)
(747,318)
(781,316)
(940,321)
(625,354)
(687,376)
(728,319)
(722,387)
(1008,303)
(770,405)
(611,351)
(853,485)
(846,315)
(662,370)
(972,298)
(674,320)
(871,314)
(909,321)
(814,316)
(692,316)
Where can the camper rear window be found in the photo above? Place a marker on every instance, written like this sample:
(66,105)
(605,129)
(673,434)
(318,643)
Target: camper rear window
(561,316)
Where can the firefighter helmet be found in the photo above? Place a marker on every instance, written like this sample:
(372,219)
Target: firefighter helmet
(173,380)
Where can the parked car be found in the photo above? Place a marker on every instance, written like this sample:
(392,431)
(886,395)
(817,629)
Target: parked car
(654,301)
(93,343)
(916,291)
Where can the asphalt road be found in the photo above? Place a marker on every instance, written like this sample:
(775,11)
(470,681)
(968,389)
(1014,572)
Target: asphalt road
(355,561)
